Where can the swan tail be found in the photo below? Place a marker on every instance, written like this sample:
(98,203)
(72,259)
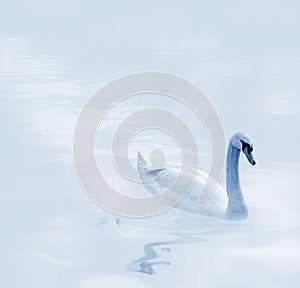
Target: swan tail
(142,163)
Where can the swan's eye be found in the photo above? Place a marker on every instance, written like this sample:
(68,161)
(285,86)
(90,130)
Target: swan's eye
(244,145)
(247,146)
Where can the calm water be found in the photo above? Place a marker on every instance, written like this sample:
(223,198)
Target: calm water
(54,235)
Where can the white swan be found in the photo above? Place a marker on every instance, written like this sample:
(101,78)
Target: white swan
(221,204)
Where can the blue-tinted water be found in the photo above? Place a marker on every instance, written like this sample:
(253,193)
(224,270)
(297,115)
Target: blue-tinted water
(54,56)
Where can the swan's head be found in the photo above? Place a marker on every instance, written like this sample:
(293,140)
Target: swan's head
(242,142)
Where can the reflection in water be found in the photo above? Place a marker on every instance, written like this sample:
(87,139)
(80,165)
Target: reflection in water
(176,228)
(106,220)
(182,230)
(145,265)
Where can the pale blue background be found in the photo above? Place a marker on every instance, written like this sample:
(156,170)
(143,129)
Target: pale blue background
(245,56)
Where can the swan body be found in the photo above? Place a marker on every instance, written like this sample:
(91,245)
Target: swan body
(229,203)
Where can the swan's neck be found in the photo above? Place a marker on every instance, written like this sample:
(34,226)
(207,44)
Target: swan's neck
(236,205)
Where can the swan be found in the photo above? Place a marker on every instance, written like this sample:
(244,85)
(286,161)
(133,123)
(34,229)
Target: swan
(228,204)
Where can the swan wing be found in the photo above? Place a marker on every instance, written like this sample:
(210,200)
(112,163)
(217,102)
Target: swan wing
(162,179)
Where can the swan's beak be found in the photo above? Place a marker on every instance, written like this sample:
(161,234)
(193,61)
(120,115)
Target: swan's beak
(250,157)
